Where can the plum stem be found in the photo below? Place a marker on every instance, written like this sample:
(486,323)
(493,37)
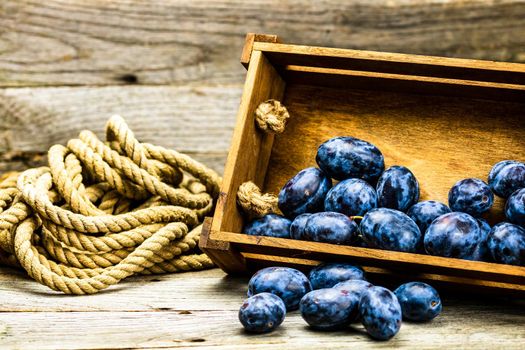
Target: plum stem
(356,217)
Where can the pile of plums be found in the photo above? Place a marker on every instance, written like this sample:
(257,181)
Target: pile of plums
(385,202)
(333,297)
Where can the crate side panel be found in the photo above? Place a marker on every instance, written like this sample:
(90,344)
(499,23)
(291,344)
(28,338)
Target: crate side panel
(250,150)
(388,62)
(400,261)
(392,279)
(386,82)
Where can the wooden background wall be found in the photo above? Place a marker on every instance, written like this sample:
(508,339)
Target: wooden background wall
(171,68)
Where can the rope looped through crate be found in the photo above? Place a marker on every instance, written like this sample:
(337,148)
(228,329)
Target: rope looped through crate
(271,117)
(103,211)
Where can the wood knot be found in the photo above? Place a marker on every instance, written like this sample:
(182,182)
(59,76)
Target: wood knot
(254,203)
(271,116)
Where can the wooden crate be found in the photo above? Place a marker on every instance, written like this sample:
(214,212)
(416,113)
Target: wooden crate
(445,119)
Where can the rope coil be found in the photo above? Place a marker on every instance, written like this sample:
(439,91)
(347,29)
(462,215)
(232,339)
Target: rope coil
(103,211)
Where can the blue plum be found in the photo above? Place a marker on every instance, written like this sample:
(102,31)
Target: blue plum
(419,301)
(506,177)
(304,193)
(351,197)
(328,308)
(330,227)
(397,188)
(347,157)
(298,226)
(271,225)
(453,235)
(328,275)
(471,196)
(390,229)
(357,287)
(515,207)
(423,213)
(506,243)
(288,284)
(380,313)
(262,313)
(481,253)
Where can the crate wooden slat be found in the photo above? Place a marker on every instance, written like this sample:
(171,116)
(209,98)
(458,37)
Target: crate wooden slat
(445,119)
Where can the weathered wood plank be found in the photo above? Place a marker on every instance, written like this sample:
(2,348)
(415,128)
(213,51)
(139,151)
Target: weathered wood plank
(200,309)
(181,42)
(176,292)
(196,120)
(221,329)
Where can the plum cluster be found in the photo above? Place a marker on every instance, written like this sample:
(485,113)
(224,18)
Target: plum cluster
(377,208)
(334,296)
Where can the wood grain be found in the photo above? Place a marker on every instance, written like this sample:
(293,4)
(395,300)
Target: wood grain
(196,120)
(185,42)
(200,309)
(172,292)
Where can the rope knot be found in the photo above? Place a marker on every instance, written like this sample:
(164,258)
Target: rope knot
(271,116)
(253,202)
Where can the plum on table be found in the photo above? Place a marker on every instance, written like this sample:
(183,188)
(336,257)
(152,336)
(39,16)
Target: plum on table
(328,308)
(380,313)
(354,286)
(288,284)
(419,301)
(327,275)
(262,313)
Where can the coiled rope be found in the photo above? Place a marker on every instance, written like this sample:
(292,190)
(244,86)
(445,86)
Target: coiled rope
(103,211)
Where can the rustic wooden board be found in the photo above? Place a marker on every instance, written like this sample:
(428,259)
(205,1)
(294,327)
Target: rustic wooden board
(197,120)
(181,42)
(200,309)
(25,295)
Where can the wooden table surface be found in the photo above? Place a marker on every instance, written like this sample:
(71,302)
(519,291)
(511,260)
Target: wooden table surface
(171,68)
